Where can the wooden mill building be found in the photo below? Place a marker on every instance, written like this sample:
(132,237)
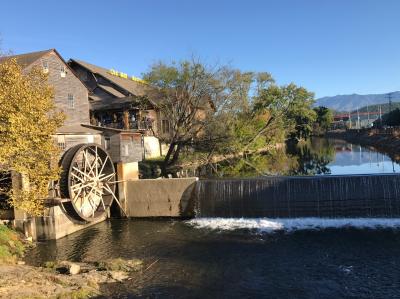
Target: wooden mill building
(122,102)
(70,96)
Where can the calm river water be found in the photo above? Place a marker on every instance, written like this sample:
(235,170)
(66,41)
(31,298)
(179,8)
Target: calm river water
(252,258)
(347,158)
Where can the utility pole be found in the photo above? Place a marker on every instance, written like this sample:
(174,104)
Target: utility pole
(349,120)
(358,119)
(368,114)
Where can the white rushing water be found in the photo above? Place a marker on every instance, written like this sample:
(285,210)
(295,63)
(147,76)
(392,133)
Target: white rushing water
(262,225)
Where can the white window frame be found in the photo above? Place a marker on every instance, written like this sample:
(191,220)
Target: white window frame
(71,101)
(165,126)
(45,66)
(63,71)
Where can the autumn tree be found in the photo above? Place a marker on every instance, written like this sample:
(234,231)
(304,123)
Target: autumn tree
(28,118)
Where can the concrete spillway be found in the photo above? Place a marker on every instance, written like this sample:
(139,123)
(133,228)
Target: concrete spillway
(300,196)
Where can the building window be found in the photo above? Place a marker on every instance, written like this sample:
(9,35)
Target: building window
(62,71)
(71,101)
(165,126)
(61,144)
(126,150)
(45,66)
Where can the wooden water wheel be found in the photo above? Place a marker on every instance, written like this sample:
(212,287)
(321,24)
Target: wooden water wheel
(87,182)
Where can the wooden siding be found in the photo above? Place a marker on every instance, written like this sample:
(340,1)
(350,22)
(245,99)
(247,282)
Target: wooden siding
(114,150)
(65,142)
(124,147)
(100,94)
(131,148)
(63,86)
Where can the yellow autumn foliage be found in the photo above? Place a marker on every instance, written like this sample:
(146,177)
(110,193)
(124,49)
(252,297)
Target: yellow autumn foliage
(28,118)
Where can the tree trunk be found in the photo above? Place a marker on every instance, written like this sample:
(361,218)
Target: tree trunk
(165,163)
(176,154)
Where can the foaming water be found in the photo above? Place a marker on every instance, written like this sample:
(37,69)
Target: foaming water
(266,225)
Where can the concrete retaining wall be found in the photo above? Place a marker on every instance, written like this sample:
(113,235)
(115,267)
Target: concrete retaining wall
(53,225)
(160,198)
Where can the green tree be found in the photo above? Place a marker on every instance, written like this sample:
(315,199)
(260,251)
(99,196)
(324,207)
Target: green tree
(234,122)
(224,111)
(323,121)
(188,89)
(27,120)
(288,109)
(391,118)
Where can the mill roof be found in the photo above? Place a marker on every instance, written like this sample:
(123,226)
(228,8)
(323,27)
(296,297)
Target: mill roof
(27,59)
(130,86)
(114,103)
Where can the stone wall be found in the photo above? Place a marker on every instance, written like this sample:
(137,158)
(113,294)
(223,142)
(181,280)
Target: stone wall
(55,224)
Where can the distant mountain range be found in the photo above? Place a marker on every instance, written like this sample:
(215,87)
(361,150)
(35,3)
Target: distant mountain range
(351,102)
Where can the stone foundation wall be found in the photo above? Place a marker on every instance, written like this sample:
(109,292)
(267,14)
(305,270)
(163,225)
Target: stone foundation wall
(55,224)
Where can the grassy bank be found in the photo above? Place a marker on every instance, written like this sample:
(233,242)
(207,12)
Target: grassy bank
(12,246)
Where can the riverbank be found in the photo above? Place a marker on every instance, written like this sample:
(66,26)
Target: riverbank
(56,279)
(65,279)
(388,143)
(193,164)
(12,245)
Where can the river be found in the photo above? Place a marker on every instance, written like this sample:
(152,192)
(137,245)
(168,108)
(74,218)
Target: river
(340,157)
(253,258)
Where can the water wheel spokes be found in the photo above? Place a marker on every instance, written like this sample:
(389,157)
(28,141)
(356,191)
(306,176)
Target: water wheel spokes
(88,180)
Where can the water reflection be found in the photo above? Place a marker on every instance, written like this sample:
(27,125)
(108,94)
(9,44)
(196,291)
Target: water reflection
(350,158)
(331,156)
(312,156)
(316,156)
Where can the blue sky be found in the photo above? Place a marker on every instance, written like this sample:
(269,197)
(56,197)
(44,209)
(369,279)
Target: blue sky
(329,47)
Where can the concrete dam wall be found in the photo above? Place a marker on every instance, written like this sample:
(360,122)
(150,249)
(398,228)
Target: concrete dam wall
(300,196)
(160,197)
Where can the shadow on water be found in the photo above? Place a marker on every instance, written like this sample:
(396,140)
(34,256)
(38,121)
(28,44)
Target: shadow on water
(200,263)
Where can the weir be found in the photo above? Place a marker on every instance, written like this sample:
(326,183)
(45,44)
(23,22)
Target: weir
(300,196)
(329,196)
